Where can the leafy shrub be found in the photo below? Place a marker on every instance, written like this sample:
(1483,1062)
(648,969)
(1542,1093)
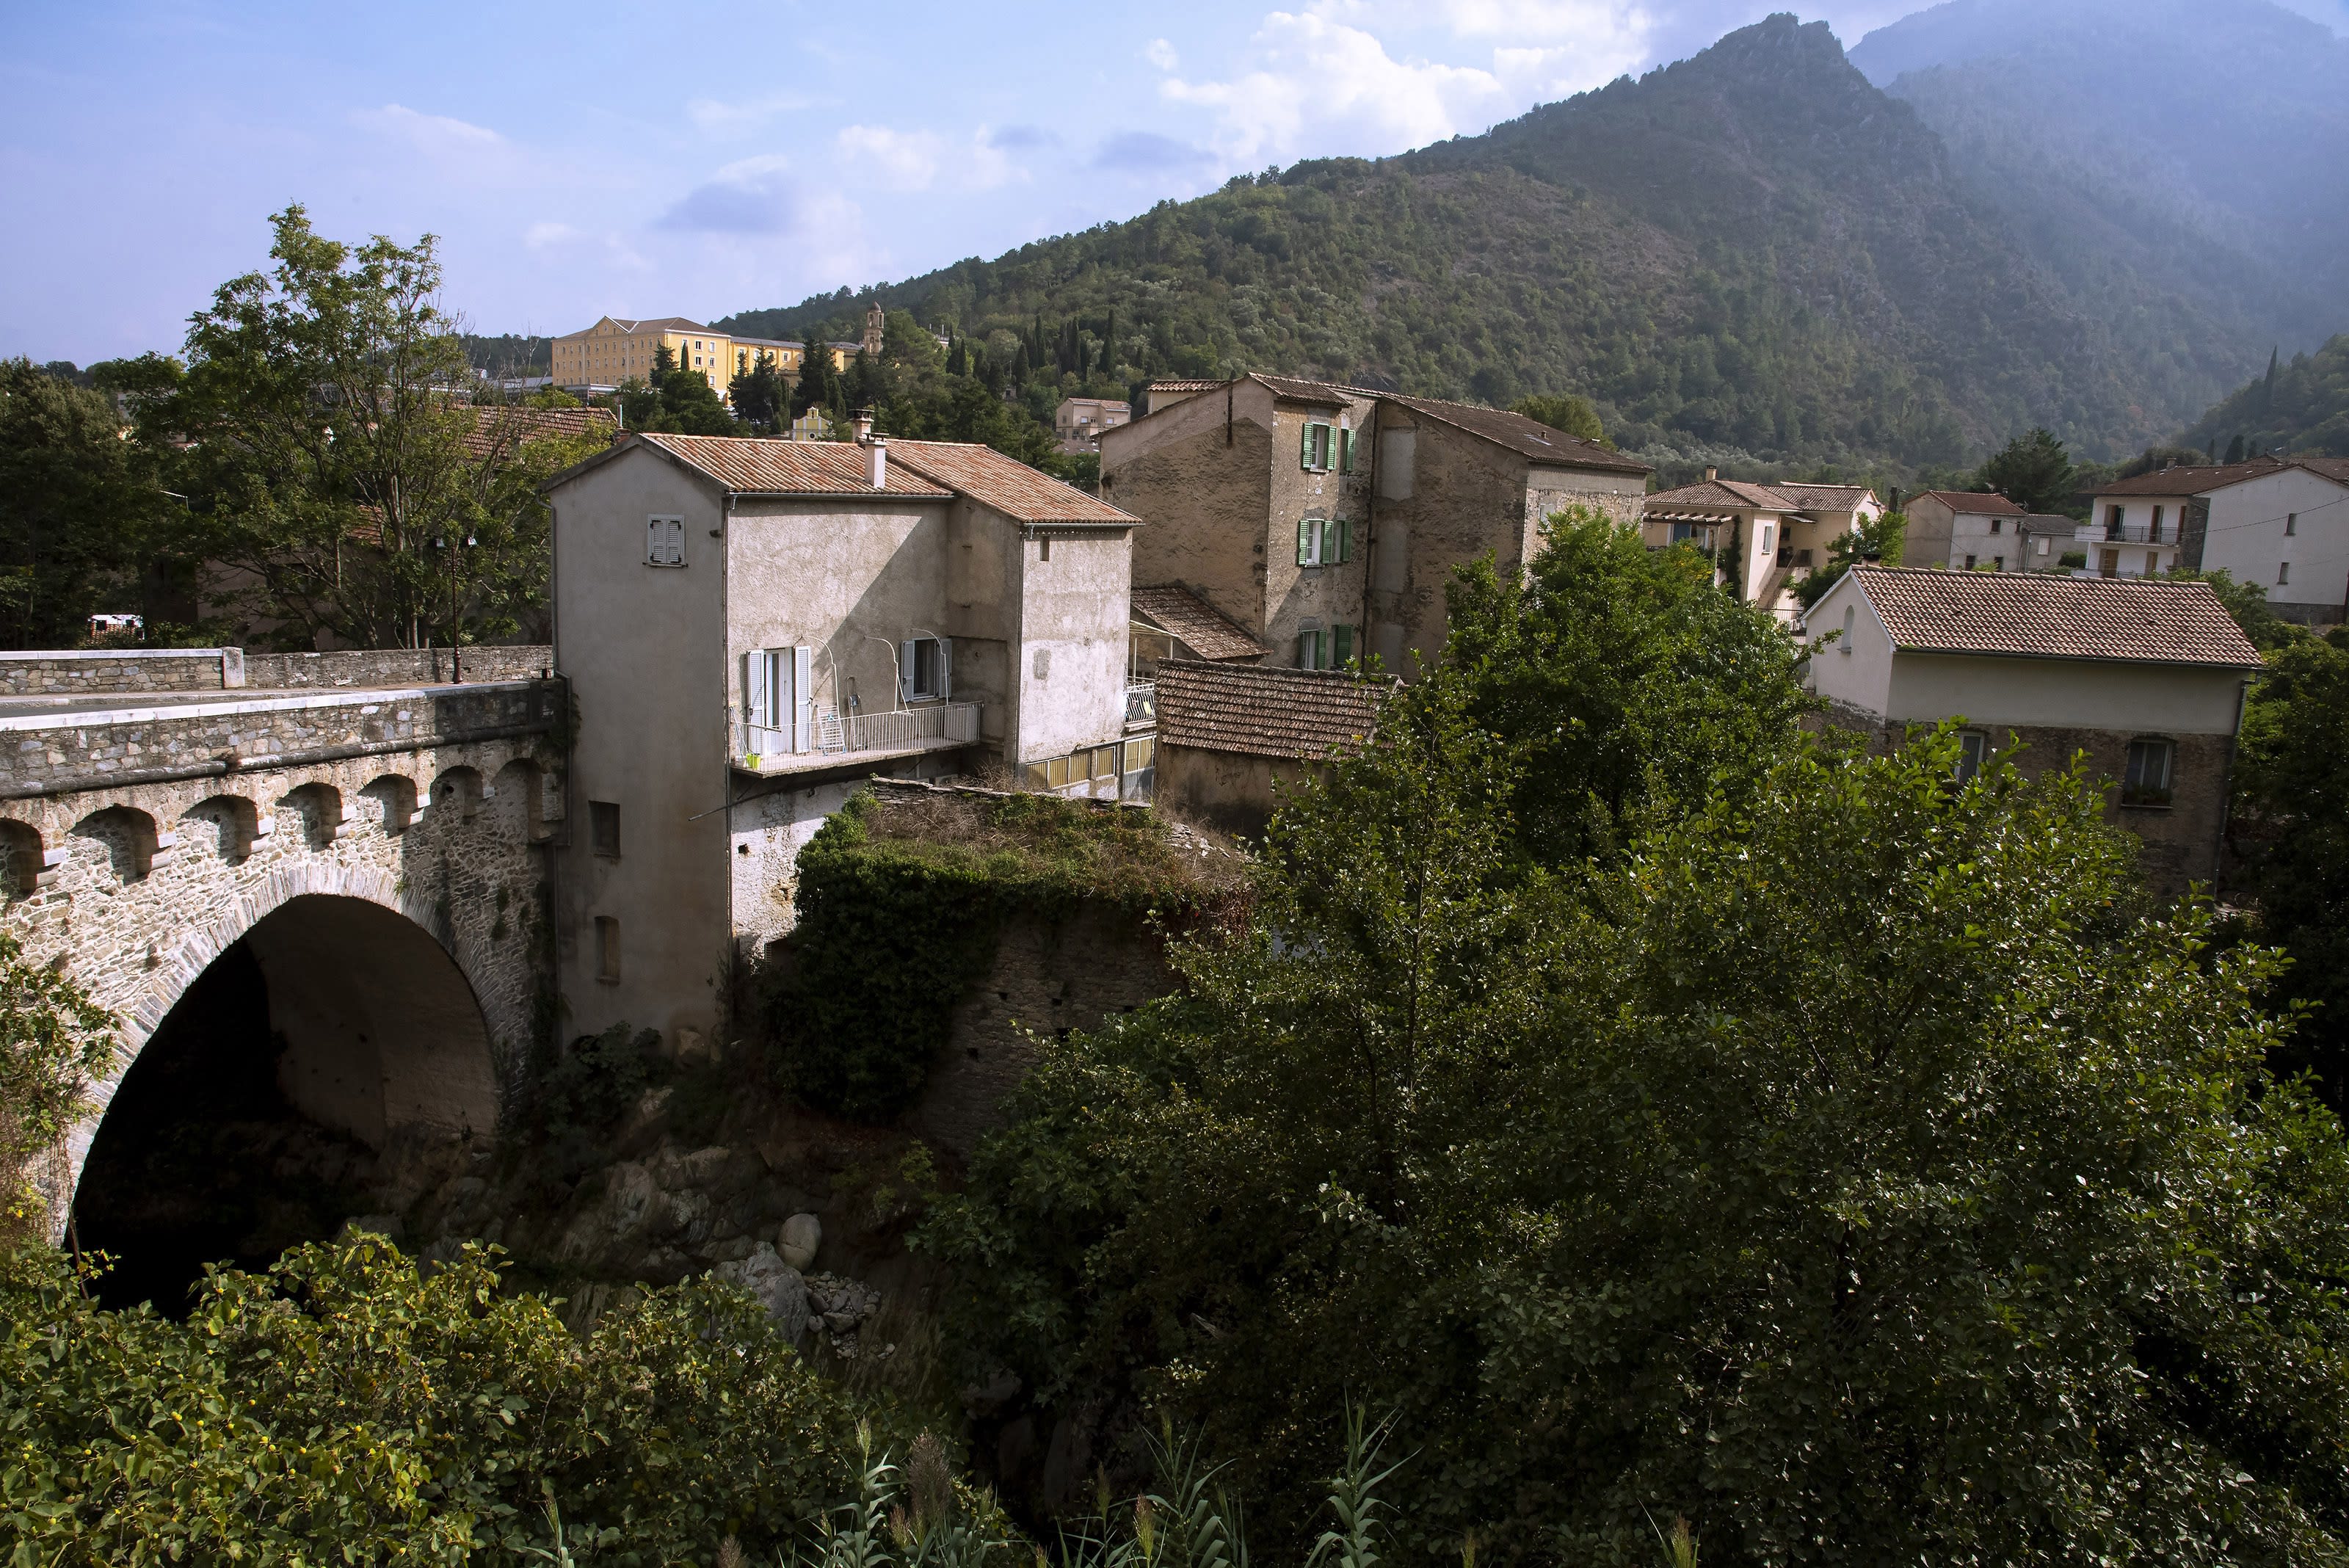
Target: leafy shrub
(53,1041)
(348,1408)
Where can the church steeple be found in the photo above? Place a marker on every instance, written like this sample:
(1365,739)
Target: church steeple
(873,330)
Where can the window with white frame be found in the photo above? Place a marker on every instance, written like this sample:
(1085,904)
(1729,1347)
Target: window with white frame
(1324,541)
(924,668)
(2147,779)
(774,700)
(2283,573)
(664,541)
(1318,448)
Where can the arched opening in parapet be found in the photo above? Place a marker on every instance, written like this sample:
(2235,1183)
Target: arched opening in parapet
(313,1070)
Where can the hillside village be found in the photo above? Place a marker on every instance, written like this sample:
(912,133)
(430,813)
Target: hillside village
(1397,862)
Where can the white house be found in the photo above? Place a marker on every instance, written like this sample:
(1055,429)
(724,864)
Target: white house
(750,627)
(2146,678)
(1966,530)
(1773,534)
(2281,523)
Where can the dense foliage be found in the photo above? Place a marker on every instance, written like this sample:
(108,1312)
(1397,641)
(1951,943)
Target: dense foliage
(1752,251)
(1849,1161)
(2301,405)
(348,1409)
(900,906)
(53,1041)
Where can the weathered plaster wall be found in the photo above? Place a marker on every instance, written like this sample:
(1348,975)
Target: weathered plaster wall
(655,713)
(1461,498)
(1231,791)
(1073,637)
(1202,503)
(79,671)
(1329,595)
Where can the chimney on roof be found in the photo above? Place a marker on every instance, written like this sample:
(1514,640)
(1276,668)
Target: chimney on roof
(880,451)
(1711,473)
(862,422)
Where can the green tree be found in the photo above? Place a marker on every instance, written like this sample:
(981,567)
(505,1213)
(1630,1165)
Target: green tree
(81,512)
(1566,412)
(1882,541)
(1854,1170)
(2033,469)
(53,1041)
(759,396)
(817,375)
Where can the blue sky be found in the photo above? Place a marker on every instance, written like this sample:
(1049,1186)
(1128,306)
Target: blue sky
(698,158)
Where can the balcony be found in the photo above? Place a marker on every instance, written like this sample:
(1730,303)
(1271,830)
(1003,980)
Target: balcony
(834,739)
(2124,533)
(1141,705)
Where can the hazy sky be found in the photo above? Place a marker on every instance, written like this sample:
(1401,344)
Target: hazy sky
(698,158)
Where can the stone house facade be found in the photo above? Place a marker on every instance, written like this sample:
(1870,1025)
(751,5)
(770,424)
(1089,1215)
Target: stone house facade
(1325,520)
(753,628)
(2146,679)
(1231,735)
(1964,530)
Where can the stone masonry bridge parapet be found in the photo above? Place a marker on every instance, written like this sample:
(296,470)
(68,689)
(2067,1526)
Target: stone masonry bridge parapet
(143,832)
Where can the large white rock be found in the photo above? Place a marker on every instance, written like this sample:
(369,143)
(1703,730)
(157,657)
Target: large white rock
(802,1234)
(775,1283)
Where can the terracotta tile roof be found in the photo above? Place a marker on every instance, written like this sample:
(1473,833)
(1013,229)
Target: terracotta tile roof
(1712,494)
(2201,479)
(1265,713)
(1205,630)
(1530,438)
(1325,394)
(1973,502)
(647,324)
(761,467)
(1823,497)
(1005,484)
(2031,615)
(510,425)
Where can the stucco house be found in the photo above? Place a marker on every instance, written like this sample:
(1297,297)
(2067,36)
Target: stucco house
(1764,536)
(750,627)
(1325,520)
(2146,678)
(1965,529)
(2281,523)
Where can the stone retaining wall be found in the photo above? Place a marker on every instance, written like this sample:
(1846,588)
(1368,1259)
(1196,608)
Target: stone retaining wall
(43,754)
(69,672)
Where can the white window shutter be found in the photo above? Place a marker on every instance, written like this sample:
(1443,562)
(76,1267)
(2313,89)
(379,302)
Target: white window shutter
(802,699)
(754,694)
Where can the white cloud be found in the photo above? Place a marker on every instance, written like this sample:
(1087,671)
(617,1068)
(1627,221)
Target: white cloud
(914,160)
(1327,79)
(1161,53)
(437,134)
(542,234)
(748,196)
(721,119)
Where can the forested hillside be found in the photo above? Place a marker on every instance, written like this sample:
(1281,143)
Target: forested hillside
(1753,251)
(2301,405)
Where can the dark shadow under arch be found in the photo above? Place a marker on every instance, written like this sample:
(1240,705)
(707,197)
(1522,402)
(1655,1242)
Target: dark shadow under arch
(259,1113)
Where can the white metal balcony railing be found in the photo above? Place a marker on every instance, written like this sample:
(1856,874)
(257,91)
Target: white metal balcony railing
(834,734)
(1142,702)
(2126,533)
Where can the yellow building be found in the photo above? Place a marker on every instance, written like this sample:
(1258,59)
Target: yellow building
(615,350)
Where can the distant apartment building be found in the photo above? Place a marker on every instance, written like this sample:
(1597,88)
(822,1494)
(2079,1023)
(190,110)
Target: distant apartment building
(1078,422)
(753,626)
(1764,537)
(1324,521)
(615,350)
(2280,523)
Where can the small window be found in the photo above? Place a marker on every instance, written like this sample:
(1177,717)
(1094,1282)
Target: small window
(1308,649)
(2155,532)
(1972,746)
(1345,450)
(1312,539)
(2043,546)
(1850,619)
(665,541)
(1044,548)
(2113,519)
(1341,647)
(607,948)
(1998,562)
(2291,524)
(604,826)
(2149,782)
(1769,531)
(1316,446)
(1996,522)
(2283,573)
(922,666)
(1970,563)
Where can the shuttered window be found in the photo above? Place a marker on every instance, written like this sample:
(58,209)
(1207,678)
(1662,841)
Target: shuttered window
(925,668)
(665,541)
(1308,542)
(1341,647)
(775,701)
(1317,445)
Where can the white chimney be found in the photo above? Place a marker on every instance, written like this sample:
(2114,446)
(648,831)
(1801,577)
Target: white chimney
(879,463)
(862,422)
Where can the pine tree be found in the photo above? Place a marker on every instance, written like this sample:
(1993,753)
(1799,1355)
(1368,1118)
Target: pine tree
(2234,448)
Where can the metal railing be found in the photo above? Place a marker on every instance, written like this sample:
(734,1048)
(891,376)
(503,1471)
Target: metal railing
(2126,532)
(1142,703)
(833,734)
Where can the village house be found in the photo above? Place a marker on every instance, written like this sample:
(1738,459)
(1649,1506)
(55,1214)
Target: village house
(1325,520)
(2280,523)
(1762,536)
(2145,678)
(1078,422)
(751,628)
(599,358)
(1233,735)
(1964,529)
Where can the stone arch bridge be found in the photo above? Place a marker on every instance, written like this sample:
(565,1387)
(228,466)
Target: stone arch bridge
(368,828)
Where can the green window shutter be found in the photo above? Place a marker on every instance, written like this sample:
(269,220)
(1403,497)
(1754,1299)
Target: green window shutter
(1345,539)
(1305,447)
(1345,452)
(1306,541)
(1341,646)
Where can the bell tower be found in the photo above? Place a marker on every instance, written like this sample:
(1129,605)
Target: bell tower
(873,330)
